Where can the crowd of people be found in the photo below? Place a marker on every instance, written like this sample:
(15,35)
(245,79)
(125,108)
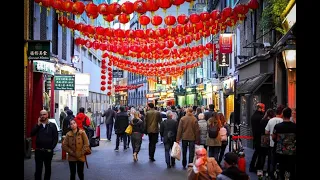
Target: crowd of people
(201,131)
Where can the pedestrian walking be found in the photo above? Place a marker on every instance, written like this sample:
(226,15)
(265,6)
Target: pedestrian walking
(213,137)
(120,126)
(152,121)
(109,121)
(168,130)
(76,144)
(136,136)
(46,140)
(224,134)
(188,131)
(203,128)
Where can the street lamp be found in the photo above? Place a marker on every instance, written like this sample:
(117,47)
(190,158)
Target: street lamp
(289,53)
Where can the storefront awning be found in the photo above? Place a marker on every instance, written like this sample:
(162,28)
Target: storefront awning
(252,84)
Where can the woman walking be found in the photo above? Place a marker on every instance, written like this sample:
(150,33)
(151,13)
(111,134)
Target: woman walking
(136,136)
(76,144)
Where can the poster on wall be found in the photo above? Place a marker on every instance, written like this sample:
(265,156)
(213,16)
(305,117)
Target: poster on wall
(225,43)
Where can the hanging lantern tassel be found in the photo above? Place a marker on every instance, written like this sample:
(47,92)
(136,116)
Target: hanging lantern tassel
(165,12)
(109,24)
(191,4)
(178,7)
(78,16)
(48,10)
(72,32)
(92,21)
(152,14)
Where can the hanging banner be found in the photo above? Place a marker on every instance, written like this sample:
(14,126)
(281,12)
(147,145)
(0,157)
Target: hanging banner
(39,50)
(225,43)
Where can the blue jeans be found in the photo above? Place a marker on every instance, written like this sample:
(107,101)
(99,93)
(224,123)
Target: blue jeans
(167,150)
(185,144)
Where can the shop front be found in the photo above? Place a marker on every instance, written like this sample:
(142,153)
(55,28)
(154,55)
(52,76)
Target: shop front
(40,92)
(228,95)
(200,89)
(180,96)
(191,96)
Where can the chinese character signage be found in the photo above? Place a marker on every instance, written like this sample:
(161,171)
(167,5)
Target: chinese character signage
(117,73)
(44,67)
(225,43)
(39,50)
(64,82)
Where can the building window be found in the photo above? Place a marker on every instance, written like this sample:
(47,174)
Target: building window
(205,68)
(90,56)
(99,63)
(55,33)
(43,25)
(84,52)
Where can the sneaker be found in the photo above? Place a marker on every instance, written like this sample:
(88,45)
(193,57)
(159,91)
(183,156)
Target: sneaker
(168,166)
(116,149)
(152,159)
(125,149)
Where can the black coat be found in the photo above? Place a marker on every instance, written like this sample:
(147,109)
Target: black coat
(166,126)
(110,115)
(66,124)
(137,125)
(208,114)
(121,123)
(255,125)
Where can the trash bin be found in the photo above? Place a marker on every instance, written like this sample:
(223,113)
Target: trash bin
(27,148)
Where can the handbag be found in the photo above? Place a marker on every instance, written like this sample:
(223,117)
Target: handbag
(129,130)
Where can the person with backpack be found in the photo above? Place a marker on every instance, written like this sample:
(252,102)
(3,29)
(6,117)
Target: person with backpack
(224,134)
(214,138)
(76,144)
(83,122)
(168,130)
(46,140)
(203,126)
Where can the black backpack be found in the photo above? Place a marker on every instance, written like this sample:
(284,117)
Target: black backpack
(213,131)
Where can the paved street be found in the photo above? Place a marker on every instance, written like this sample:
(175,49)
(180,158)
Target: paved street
(105,163)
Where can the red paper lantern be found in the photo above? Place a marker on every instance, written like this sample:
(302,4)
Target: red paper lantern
(183,19)
(156,20)
(204,16)
(144,20)
(180,29)
(179,41)
(103,9)
(164,4)
(115,8)
(103,88)
(103,82)
(215,15)
(71,24)
(127,7)
(109,93)
(67,6)
(226,13)
(152,5)
(169,44)
(253,4)
(123,18)
(57,5)
(109,17)
(91,10)
(109,82)
(140,7)
(103,77)
(194,18)
(170,20)
(109,87)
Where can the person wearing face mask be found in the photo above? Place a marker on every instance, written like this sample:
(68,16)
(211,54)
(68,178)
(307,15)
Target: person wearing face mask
(46,140)
(203,167)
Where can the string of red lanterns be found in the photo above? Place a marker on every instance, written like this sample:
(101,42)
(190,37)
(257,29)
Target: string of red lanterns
(119,88)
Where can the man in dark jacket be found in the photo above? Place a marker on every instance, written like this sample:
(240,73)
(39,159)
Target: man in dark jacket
(255,126)
(232,171)
(110,115)
(66,122)
(46,140)
(120,126)
(208,115)
(168,130)
(152,121)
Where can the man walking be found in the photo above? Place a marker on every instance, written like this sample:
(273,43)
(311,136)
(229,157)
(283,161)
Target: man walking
(110,115)
(208,115)
(255,124)
(168,130)
(120,126)
(46,140)
(188,131)
(152,122)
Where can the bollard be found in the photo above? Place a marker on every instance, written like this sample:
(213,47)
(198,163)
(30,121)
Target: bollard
(98,132)
(64,154)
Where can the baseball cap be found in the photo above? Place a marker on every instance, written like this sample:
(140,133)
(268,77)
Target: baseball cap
(231,158)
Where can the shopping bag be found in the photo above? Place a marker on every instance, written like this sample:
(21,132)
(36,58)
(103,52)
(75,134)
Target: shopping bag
(176,151)
(129,130)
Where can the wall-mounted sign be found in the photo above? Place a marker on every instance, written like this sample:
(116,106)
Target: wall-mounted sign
(39,50)
(117,73)
(225,43)
(290,19)
(44,67)
(64,82)
(81,90)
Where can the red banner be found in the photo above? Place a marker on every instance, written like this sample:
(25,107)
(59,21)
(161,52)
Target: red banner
(225,43)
